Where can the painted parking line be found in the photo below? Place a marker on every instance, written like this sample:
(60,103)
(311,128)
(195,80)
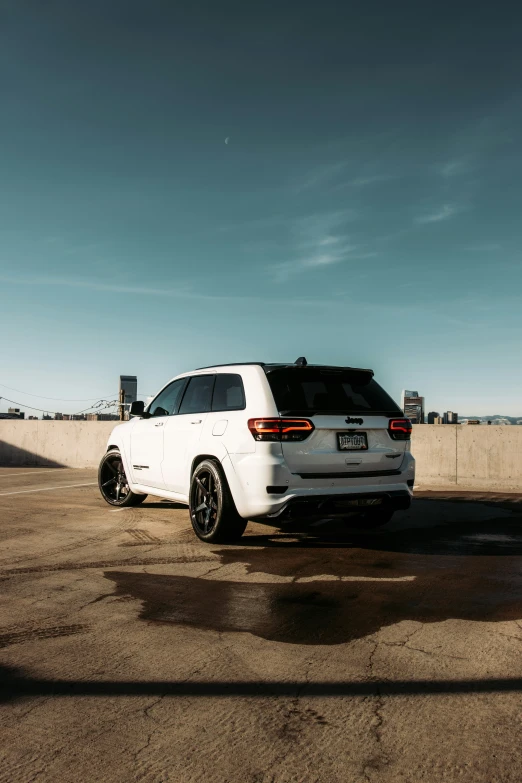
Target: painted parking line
(48,489)
(31,472)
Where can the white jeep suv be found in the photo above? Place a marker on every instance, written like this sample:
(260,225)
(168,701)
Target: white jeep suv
(264,441)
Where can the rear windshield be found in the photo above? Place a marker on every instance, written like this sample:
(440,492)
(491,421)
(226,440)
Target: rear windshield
(309,390)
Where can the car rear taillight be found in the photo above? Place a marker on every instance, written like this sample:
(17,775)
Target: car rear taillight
(280,429)
(400,429)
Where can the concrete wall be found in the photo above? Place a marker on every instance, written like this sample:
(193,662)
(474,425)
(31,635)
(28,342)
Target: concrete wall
(434,447)
(70,444)
(469,456)
(485,457)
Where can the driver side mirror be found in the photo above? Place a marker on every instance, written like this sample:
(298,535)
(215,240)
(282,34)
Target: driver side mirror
(138,409)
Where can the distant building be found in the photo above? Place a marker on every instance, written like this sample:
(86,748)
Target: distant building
(129,386)
(474,421)
(407,393)
(413,406)
(438,420)
(432,415)
(16,413)
(58,416)
(33,418)
(46,417)
(450,417)
(101,417)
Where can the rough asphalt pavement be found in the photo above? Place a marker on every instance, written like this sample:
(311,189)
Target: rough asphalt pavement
(130,651)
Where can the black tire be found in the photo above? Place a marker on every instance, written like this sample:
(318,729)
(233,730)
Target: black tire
(137,500)
(370,520)
(113,483)
(213,512)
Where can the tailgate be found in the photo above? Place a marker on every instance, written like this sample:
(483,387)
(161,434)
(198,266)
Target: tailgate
(338,447)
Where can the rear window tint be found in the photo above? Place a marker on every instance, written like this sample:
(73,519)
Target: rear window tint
(229,394)
(198,394)
(167,401)
(311,390)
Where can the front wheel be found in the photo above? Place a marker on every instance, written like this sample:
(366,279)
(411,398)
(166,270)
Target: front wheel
(213,512)
(113,483)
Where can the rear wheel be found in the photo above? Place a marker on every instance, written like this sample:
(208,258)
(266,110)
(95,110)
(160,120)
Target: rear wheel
(213,513)
(113,482)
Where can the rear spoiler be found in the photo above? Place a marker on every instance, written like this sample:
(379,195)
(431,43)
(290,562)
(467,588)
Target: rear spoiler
(320,368)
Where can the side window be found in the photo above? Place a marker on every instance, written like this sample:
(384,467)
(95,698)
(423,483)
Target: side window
(198,396)
(229,394)
(167,401)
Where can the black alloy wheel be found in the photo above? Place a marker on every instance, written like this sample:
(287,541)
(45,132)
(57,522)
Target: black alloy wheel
(113,482)
(206,501)
(213,512)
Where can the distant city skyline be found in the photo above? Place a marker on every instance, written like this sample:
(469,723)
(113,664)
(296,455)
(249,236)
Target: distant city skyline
(130,383)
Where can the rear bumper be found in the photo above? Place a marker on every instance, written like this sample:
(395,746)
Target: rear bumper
(251,476)
(341,505)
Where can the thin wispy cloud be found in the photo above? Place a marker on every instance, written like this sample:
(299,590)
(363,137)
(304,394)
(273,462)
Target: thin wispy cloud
(328,176)
(254,224)
(95,285)
(180,292)
(443,213)
(363,182)
(350,253)
(320,240)
(485,247)
(320,225)
(320,175)
(454,168)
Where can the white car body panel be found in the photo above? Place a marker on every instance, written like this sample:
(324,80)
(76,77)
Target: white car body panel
(146,450)
(182,437)
(319,452)
(159,453)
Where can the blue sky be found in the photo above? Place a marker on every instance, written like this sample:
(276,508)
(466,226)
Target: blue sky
(365,211)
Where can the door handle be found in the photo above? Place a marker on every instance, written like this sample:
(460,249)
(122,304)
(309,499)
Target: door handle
(198,421)
(159,424)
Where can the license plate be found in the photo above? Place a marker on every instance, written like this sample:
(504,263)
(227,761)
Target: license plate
(352,441)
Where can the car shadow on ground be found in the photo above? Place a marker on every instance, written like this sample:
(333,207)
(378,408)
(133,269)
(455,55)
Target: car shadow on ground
(435,528)
(327,584)
(164,504)
(331,584)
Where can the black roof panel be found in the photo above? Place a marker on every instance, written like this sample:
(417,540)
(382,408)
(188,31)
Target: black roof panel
(272,366)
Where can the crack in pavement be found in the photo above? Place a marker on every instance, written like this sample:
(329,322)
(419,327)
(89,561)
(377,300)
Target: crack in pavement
(430,653)
(376,762)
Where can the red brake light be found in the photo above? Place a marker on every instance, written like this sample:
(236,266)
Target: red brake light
(400,429)
(280,429)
